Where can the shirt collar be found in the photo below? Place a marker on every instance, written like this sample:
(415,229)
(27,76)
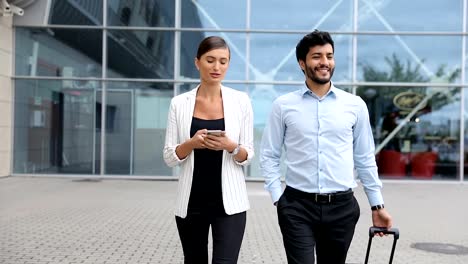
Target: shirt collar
(332,92)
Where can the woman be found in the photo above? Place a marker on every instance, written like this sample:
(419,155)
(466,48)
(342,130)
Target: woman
(212,189)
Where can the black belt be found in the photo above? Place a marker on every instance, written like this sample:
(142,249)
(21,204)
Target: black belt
(321,197)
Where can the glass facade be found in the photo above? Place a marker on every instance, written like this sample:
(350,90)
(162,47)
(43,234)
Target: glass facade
(93,84)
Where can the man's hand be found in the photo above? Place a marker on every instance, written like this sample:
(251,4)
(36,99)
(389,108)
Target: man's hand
(381,218)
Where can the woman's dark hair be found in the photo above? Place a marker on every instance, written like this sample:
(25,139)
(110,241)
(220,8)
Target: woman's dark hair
(315,38)
(211,43)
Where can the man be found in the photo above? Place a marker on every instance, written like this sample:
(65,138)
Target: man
(326,134)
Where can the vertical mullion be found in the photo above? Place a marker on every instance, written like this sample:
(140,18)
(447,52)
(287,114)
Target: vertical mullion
(354,45)
(103,88)
(247,41)
(177,47)
(177,44)
(247,169)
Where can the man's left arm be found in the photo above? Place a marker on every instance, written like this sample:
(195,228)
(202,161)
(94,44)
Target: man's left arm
(366,167)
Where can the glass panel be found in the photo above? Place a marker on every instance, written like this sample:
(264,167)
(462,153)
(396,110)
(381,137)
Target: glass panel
(140,54)
(415,15)
(189,86)
(54,126)
(465,115)
(416,130)
(186,87)
(189,46)
(136,127)
(76,12)
(344,88)
(144,13)
(303,15)
(213,14)
(409,59)
(58,52)
(278,61)
(262,97)
(465,57)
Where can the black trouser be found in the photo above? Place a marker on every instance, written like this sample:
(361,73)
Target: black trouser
(227,232)
(326,225)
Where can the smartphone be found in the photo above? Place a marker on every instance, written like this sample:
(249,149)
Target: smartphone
(215,132)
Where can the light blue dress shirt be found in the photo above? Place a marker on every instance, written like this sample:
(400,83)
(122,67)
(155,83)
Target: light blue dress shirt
(324,140)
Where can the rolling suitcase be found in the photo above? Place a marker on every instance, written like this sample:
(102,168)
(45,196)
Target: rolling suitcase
(392,231)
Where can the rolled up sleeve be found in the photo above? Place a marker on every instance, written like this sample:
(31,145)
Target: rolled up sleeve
(246,131)
(171,142)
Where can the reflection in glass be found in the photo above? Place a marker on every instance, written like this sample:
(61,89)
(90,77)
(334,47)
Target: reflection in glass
(409,58)
(58,52)
(415,15)
(76,12)
(416,130)
(465,56)
(58,127)
(54,127)
(58,123)
(140,54)
(262,97)
(465,115)
(188,52)
(186,87)
(154,13)
(135,127)
(213,14)
(308,15)
(278,62)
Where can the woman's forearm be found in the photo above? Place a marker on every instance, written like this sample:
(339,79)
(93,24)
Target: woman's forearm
(184,149)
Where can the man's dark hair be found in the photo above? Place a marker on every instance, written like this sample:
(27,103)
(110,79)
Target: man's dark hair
(211,43)
(310,40)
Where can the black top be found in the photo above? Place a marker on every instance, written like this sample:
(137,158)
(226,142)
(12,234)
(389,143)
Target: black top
(206,193)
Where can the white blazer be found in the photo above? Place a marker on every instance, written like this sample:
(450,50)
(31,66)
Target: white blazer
(238,122)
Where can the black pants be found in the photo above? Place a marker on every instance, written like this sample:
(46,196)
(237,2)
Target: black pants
(326,226)
(227,232)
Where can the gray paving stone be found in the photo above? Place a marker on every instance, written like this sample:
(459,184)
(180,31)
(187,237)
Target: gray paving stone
(58,220)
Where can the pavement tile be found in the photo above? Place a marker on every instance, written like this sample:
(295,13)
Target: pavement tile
(59,220)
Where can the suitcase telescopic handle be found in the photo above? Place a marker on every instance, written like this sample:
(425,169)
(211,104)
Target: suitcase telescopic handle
(392,231)
(374,230)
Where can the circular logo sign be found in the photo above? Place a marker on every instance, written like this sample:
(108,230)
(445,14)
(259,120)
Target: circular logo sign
(408,100)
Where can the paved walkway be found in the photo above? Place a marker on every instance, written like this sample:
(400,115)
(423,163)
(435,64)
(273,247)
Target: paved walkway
(58,220)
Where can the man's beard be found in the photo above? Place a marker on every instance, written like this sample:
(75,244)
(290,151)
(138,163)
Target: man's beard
(312,75)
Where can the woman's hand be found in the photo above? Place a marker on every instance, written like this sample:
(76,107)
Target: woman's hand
(221,142)
(198,140)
